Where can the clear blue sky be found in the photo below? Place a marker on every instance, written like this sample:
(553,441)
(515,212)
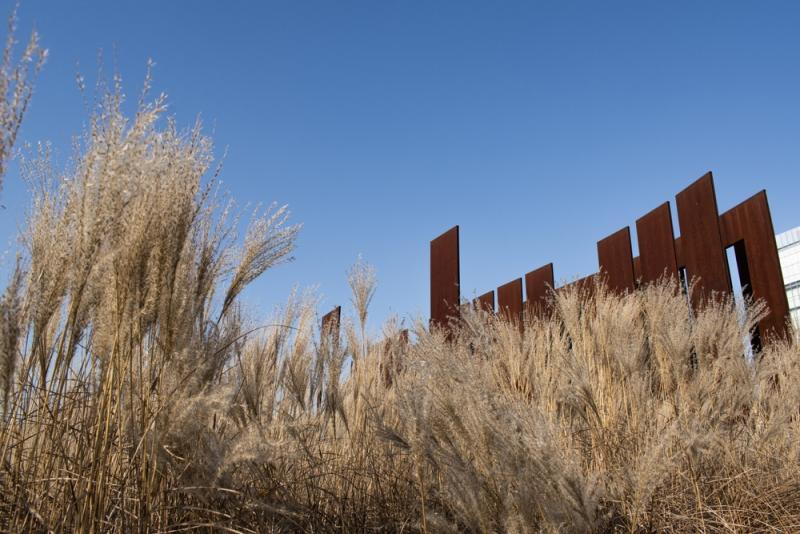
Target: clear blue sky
(538,127)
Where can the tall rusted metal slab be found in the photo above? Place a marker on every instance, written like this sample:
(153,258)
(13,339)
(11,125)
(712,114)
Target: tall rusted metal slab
(748,228)
(538,285)
(445,278)
(485,302)
(656,239)
(703,253)
(616,261)
(509,301)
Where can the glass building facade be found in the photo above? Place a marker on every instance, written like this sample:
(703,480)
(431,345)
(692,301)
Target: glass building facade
(789,253)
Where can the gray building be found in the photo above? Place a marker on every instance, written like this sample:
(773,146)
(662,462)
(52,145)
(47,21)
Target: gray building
(789,253)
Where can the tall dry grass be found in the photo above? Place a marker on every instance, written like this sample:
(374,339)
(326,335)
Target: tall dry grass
(17,76)
(138,396)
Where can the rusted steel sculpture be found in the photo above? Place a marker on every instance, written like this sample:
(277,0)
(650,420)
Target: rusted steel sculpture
(699,253)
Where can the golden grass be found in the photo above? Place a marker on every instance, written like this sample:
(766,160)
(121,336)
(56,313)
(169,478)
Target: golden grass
(137,397)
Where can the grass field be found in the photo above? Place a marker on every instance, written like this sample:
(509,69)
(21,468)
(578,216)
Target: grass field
(136,395)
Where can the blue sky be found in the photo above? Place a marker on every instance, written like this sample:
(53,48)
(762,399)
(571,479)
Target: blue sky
(539,128)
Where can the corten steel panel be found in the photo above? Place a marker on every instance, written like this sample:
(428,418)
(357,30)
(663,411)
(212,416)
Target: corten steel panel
(404,336)
(585,284)
(485,302)
(392,363)
(656,245)
(509,301)
(637,269)
(330,322)
(538,285)
(329,338)
(748,226)
(616,261)
(445,278)
(701,241)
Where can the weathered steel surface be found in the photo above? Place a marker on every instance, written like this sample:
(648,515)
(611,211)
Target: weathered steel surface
(748,227)
(703,253)
(445,278)
(656,239)
(616,261)
(392,363)
(698,255)
(538,285)
(330,321)
(679,258)
(585,285)
(509,300)
(330,329)
(485,302)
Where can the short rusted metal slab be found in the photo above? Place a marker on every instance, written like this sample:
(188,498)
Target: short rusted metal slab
(703,253)
(538,285)
(485,302)
(330,321)
(330,327)
(404,336)
(616,261)
(509,301)
(656,245)
(392,363)
(748,227)
(585,285)
(445,278)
